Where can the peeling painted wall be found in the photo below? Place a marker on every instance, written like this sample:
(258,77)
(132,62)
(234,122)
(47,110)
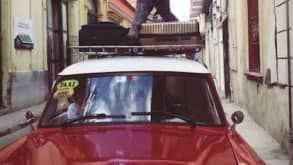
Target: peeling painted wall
(17,61)
(266,103)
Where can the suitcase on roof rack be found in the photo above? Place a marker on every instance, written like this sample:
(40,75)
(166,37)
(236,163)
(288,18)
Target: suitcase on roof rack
(102,33)
(170,33)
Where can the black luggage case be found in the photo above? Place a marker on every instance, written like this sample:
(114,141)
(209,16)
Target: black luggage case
(102,33)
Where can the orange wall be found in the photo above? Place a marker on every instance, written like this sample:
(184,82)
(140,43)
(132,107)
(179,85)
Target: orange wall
(122,8)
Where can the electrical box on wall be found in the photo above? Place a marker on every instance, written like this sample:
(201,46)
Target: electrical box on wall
(23,41)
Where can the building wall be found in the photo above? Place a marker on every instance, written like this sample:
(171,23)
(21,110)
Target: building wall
(77,13)
(214,40)
(238,50)
(103,10)
(19,63)
(267,102)
(132,2)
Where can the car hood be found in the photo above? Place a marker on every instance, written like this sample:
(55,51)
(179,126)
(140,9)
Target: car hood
(142,144)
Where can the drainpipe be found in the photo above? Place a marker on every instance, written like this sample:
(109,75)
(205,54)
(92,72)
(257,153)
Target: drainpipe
(289,85)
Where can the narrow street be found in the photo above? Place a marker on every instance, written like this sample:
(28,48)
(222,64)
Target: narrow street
(244,46)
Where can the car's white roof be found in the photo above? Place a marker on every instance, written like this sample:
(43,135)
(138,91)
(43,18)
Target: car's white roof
(134,63)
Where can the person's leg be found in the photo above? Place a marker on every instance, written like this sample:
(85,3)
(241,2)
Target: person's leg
(142,11)
(163,8)
(143,7)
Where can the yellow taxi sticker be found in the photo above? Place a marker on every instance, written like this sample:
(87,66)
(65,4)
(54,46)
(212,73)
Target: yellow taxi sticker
(67,84)
(63,93)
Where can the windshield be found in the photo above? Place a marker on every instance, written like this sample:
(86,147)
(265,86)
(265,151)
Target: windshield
(139,97)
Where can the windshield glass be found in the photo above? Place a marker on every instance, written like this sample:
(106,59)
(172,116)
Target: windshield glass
(139,97)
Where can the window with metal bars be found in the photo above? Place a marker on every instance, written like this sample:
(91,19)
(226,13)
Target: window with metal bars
(282,35)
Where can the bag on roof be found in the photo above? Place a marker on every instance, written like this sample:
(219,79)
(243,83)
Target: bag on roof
(102,33)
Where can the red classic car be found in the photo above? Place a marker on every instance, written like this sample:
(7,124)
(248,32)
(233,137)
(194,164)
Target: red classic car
(133,110)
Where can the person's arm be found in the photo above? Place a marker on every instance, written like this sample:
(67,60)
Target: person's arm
(73,111)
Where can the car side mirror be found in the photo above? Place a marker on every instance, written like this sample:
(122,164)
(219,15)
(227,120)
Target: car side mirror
(30,118)
(237,118)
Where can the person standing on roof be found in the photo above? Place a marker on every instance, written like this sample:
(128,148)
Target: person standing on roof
(143,8)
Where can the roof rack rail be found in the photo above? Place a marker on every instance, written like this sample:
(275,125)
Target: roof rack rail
(120,50)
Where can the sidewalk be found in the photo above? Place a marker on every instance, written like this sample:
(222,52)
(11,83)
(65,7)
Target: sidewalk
(263,143)
(13,119)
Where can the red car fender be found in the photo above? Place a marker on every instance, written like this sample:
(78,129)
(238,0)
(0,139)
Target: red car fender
(244,154)
(8,150)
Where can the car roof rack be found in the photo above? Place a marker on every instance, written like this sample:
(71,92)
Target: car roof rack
(126,50)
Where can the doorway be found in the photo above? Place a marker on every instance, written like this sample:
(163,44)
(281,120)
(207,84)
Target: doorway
(57,53)
(226,59)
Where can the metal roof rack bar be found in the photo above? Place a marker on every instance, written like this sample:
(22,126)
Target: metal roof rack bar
(140,50)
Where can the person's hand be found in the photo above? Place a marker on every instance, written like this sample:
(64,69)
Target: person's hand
(63,106)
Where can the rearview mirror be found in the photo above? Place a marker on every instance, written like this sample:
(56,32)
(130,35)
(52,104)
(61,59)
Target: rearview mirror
(237,118)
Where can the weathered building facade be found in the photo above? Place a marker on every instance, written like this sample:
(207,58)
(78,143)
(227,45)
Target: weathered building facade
(35,39)
(24,70)
(199,10)
(250,47)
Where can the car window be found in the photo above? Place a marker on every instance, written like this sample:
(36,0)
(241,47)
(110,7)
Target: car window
(138,97)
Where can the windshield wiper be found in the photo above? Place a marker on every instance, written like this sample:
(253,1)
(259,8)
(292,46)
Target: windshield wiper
(94,116)
(191,122)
